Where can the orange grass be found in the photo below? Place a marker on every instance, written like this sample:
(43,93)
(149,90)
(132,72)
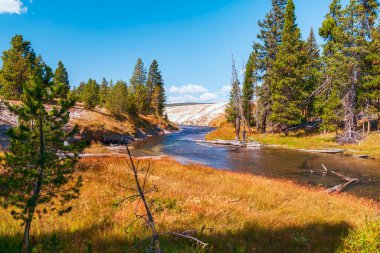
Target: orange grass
(247,213)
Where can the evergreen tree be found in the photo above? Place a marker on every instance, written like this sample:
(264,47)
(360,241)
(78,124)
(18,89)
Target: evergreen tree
(61,80)
(38,166)
(159,98)
(313,69)
(249,87)
(139,75)
(153,77)
(348,36)
(270,37)
(104,92)
(90,94)
(369,95)
(18,62)
(156,90)
(289,89)
(117,98)
(139,89)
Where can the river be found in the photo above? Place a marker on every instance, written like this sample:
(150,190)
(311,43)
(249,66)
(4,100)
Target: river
(298,166)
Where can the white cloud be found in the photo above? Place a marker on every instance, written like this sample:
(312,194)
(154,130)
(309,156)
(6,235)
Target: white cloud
(12,7)
(188,89)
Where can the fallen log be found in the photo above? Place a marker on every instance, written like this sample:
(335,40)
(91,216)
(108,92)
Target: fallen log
(340,187)
(270,130)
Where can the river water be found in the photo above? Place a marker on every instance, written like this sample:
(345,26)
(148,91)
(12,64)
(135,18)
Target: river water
(301,167)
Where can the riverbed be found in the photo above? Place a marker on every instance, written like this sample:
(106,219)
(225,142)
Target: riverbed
(298,166)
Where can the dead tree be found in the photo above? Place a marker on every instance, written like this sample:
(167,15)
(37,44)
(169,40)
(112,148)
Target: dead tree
(238,105)
(139,193)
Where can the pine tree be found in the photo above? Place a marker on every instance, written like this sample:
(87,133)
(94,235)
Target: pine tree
(61,80)
(270,37)
(117,98)
(138,87)
(249,87)
(347,33)
(369,94)
(151,81)
(90,94)
(103,92)
(313,70)
(156,90)
(39,166)
(289,89)
(139,75)
(18,62)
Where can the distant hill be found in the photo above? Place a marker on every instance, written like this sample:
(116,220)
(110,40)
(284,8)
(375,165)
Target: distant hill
(185,104)
(195,114)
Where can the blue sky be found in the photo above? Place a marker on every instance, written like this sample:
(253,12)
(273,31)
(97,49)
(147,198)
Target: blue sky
(191,39)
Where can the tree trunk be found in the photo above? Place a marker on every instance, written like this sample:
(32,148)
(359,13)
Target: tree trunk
(237,128)
(26,242)
(369,127)
(264,123)
(36,191)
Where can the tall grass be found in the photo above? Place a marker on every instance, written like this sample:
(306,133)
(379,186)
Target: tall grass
(243,213)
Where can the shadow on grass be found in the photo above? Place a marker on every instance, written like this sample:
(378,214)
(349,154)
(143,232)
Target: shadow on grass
(318,237)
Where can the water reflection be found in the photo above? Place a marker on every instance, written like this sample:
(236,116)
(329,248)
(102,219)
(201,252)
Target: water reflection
(273,162)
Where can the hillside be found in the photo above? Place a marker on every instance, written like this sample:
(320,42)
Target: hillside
(195,114)
(100,125)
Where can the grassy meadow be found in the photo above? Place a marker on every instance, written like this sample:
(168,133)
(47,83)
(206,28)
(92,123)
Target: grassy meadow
(241,213)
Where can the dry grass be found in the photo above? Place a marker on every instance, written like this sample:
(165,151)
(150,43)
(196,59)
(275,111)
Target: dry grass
(300,140)
(247,213)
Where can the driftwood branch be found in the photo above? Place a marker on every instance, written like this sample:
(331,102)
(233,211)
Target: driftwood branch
(340,187)
(147,216)
(270,130)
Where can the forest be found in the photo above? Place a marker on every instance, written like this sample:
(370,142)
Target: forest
(290,84)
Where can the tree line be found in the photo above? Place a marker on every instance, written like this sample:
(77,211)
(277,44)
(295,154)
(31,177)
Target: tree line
(145,93)
(289,82)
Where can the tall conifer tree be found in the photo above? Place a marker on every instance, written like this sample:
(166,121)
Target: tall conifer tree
(267,48)
(39,166)
(249,87)
(61,80)
(289,89)
(18,63)
(138,87)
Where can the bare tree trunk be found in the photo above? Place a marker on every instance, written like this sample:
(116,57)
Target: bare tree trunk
(237,128)
(155,243)
(369,127)
(264,122)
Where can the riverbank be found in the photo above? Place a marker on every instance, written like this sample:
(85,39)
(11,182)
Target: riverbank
(301,141)
(244,212)
(99,125)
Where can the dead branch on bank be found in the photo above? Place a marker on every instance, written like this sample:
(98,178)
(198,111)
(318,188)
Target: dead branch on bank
(139,193)
(340,187)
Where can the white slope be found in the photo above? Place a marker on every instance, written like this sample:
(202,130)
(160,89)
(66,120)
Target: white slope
(195,115)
